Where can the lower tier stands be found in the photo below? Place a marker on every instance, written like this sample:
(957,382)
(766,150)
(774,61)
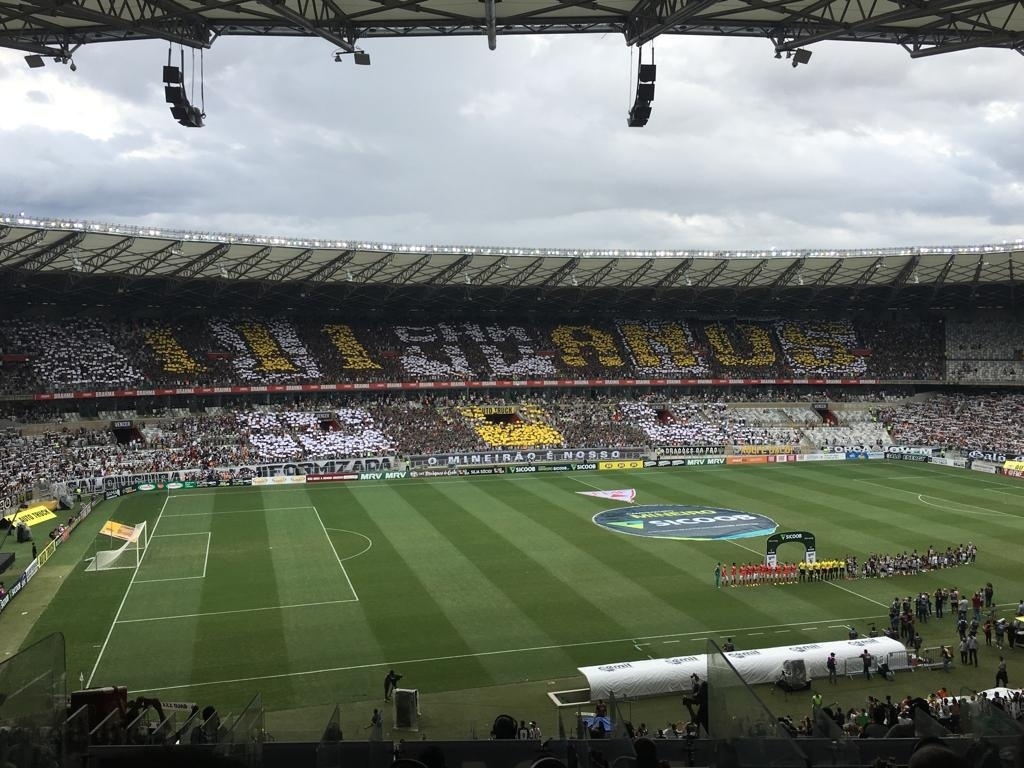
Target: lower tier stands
(406,426)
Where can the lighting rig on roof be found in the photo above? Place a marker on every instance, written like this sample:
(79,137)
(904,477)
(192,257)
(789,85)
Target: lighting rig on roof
(362,58)
(35,60)
(795,56)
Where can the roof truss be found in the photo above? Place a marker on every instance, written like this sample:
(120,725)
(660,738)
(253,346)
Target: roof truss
(55,28)
(9,251)
(45,257)
(105,256)
(210,270)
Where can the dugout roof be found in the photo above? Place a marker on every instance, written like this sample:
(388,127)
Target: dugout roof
(73,260)
(922,27)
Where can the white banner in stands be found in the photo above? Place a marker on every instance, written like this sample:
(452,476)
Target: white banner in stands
(821,457)
(961,463)
(654,677)
(280,480)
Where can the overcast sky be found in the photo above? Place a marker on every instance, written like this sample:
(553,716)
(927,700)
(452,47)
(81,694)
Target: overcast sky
(443,141)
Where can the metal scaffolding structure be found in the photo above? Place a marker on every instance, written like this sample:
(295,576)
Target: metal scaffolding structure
(922,27)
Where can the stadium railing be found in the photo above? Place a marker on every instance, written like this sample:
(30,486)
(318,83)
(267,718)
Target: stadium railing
(32,707)
(243,740)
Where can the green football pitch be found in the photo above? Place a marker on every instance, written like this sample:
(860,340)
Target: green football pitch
(308,594)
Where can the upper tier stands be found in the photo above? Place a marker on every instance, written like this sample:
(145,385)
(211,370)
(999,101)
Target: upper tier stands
(87,354)
(990,349)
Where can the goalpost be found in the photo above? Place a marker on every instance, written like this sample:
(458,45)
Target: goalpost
(127,555)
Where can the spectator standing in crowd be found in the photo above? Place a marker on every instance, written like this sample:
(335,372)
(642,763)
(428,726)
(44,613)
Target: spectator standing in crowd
(972,649)
(1001,678)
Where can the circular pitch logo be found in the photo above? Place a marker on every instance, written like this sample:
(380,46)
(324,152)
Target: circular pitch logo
(685,521)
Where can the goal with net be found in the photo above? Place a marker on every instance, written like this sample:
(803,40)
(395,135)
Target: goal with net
(128,554)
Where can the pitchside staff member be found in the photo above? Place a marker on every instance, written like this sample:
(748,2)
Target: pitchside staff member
(390,683)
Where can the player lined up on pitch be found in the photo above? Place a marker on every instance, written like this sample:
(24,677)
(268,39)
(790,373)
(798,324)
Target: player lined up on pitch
(753,574)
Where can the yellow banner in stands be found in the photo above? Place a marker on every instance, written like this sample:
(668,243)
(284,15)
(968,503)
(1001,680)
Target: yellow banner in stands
(31,516)
(1017,465)
(118,530)
(766,450)
(624,464)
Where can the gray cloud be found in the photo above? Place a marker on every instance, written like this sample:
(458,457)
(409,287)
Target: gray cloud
(443,141)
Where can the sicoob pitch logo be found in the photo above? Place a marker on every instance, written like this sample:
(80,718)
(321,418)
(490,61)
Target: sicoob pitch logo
(685,521)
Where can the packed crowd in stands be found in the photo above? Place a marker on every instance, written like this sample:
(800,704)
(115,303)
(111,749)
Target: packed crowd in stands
(961,421)
(85,353)
(986,349)
(686,424)
(240,432)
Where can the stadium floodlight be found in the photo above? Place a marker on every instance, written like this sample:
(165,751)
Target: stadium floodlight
(801,56)
(362,58)
(34,61)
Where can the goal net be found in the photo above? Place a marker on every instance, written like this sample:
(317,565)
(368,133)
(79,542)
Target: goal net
(134,540)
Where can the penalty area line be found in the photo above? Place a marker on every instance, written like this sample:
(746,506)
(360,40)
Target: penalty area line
(341,563)
(235,610)
(369,542)
(124,599)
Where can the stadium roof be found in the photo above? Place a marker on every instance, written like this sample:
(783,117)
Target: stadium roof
(923,27)
(78,261)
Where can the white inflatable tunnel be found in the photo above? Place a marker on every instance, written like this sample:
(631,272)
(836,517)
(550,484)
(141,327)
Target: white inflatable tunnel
(656,677)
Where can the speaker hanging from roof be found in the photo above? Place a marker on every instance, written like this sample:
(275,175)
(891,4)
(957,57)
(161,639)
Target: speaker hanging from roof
(640,112)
